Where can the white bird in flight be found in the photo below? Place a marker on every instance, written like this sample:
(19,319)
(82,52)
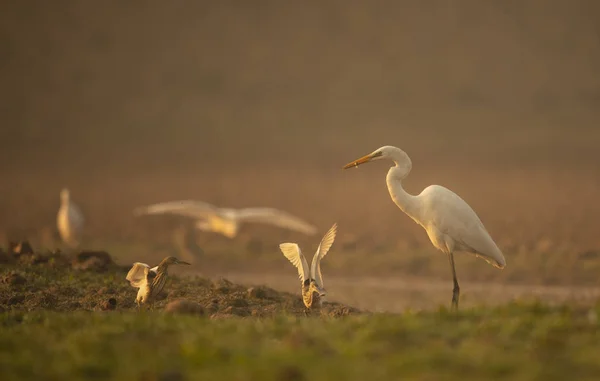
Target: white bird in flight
(69,220)
(450,222)
(311,278)
(226,221)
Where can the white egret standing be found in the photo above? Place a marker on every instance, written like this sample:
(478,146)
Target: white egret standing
(226,221)
(450,222)
(69,220)
(311,278)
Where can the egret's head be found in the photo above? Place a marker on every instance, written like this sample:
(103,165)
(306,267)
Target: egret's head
(174,261)
(385,152)
(64,195)
(402,163)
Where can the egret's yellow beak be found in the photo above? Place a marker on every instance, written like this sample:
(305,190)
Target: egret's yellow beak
(362,160)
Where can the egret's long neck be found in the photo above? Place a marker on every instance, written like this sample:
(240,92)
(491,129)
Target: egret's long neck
(404,200)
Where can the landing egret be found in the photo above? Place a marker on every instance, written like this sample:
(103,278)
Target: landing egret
(311,279)
(150,281)
(69,220)
(450,222)
(226,221)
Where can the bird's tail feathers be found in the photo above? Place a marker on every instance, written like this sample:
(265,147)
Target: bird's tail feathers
(497,260)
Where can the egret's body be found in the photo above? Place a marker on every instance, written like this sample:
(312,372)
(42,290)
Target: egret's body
(69,220)
(311,278)
(150,281)
(449,221)
(227,221)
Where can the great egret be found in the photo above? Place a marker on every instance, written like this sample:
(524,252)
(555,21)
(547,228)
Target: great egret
(69,220)
(226,221)
(450,222)
(150,281)
(311,279)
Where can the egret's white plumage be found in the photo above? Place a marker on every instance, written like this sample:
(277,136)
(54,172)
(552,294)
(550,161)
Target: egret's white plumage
(311,278)
(226,221)
(69,220)
(450,222)
(150,281)
(138,277)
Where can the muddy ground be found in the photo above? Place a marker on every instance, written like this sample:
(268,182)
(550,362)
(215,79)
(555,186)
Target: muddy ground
(92,281)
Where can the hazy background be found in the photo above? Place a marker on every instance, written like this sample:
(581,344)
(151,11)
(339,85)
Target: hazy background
(260,103)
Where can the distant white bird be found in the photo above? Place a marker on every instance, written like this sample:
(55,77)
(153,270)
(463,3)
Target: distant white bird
(311,278)
(226,221)
(150,281)
(69,220)
(450,222)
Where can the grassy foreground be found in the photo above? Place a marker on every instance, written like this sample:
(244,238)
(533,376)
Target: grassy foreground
(516,342)
(65,318)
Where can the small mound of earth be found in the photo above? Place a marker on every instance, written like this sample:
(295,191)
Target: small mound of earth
(13,279)
(92,260)
(90,280)
(185,307)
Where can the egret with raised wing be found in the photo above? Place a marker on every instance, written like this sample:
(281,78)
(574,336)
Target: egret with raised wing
(69,220)
(150,281)
(227,221)
(311,278)
(450,222)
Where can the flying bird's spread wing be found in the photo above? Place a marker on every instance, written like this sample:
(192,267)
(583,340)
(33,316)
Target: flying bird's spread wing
(275,217)
(293,254)
(188,208)
(137,275)
(322,250)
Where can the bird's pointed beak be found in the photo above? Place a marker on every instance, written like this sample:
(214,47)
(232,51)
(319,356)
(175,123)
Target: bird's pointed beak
(357,162)
(183,263)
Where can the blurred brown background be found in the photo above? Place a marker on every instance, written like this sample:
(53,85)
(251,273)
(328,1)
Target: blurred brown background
(260,103)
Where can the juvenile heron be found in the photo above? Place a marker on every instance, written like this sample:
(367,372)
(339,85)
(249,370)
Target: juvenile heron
(226,221)
(311,279)
(69,220)
(450,222)
(150,281)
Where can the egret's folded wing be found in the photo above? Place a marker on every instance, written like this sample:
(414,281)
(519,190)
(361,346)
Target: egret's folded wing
(293,254)
(322,250)
(275,217)
(137,274)
(188,208)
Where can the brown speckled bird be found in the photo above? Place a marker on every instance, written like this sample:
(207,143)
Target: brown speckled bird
(150,281)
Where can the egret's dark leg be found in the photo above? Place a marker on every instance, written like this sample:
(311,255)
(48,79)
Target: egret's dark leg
(456,289)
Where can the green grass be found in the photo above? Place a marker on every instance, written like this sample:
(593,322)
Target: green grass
(514,342)
(54,326)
